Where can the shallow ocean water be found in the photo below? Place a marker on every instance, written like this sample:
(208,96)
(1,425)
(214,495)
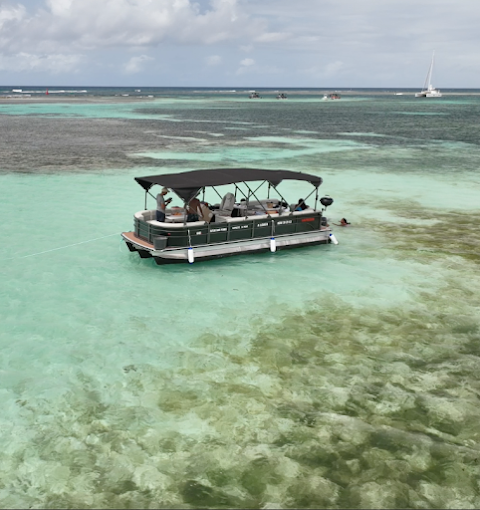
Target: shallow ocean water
(340,376)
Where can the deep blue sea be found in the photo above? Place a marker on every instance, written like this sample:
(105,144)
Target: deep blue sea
(338,376)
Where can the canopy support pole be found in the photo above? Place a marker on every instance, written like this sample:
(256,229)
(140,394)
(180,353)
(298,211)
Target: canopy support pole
(215,189)
(258,187)
(310,194)
(259,201)
(281,206)
(154,198)
(246,198)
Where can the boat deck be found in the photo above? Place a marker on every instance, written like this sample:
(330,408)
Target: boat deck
(130,236)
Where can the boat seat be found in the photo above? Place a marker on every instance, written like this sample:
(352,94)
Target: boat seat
(238,219)
(140,215)
(259,217)
(226,205)
(228,201)
(146,215)
(170,226)
(308,210)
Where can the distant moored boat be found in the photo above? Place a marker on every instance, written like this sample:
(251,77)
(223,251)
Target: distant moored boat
(428,89)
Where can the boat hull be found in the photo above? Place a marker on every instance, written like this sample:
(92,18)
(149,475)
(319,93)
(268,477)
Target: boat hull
(428,94)
(238,248)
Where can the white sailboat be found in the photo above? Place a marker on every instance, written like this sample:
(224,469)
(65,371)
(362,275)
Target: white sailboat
(428,89)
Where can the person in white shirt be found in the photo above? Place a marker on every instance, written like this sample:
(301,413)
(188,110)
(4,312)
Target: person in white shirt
(162,204)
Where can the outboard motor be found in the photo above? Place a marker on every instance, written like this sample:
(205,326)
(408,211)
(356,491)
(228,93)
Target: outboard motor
(326,201)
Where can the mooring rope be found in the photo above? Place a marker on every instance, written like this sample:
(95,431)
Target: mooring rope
(63,247)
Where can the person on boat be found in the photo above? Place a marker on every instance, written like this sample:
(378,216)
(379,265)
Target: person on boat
(194,210)
(207,214)
(301,206)
(162,204)
(281,204)
(343,223)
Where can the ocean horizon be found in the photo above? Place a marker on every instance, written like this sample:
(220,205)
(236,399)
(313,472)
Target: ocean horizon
(141,91)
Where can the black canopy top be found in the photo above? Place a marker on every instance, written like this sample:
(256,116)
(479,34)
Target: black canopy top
(187,184)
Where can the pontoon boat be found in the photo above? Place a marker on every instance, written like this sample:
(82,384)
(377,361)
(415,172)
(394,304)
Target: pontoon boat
(242,222)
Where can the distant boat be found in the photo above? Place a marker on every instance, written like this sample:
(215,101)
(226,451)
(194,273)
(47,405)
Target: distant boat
(282,96)
(428,89)
(254,95)
(334,95)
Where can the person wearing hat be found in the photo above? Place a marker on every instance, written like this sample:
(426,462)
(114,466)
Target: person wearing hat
(162,204)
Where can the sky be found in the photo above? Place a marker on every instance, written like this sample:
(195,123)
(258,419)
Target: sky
(240,43)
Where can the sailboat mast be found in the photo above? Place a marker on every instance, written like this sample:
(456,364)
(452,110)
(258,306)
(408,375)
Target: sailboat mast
(428,80)
(428,89)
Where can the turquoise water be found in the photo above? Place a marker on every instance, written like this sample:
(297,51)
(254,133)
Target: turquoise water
(335,376)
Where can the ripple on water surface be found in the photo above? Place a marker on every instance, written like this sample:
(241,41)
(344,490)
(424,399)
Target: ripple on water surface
(122,389)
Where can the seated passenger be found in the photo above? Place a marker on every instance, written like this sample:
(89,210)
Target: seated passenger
(301,206)
(193,209)
(207,214)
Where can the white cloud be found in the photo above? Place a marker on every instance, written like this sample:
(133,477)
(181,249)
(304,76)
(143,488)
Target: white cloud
(136,64)
(247,62)
(93,24)
(12,13)
(247,48)
(247,65)
(344,42)
(60,7)
(333,68)
(213,60)
(272,37)
(55,63)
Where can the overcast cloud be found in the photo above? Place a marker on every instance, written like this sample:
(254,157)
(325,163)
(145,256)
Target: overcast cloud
(240,43)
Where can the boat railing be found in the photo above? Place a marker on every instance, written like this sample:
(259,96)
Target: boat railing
(232,229)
